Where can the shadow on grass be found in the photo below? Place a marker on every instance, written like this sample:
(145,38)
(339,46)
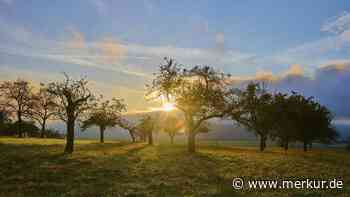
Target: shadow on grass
(43,170)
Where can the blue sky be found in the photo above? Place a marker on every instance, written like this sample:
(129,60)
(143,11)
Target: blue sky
(119,44)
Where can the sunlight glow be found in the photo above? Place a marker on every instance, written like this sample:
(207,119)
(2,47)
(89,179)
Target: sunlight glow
(168,107)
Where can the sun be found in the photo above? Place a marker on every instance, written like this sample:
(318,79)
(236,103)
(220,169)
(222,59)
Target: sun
(168,107)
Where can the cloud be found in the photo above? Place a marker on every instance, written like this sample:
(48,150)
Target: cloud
(328,84)
(337,39)
(111,49)
(337,24)
(201,27)
(77,40)
(149,5)
(295,69)
(220,41)
(100,6)
(107,52)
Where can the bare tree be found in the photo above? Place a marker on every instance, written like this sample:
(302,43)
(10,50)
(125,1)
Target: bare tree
(16,98)
(104,115)
(199,92)
(73,97)
(43,108)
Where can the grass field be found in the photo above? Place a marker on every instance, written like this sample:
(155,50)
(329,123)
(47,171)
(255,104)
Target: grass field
(36,167)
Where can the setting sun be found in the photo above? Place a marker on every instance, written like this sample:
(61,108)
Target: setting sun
(168,107)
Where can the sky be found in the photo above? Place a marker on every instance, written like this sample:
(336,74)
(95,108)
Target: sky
(299,45)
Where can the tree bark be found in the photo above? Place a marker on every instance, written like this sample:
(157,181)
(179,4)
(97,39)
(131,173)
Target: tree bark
(305,146)
(19,126)
(43,129)
(171,139)
(262,143)
(150,138)
(132,135)
(191,141)
(286,143)
(102,133)
(70,136)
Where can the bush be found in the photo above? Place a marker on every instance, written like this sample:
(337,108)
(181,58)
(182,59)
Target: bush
(53,133)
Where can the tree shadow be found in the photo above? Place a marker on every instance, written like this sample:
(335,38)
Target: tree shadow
(39,170)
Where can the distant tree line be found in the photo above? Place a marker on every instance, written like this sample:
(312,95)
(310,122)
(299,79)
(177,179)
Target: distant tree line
(10,128)
(285,117)
(198,93)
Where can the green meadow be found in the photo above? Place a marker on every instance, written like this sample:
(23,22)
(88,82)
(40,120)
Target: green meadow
(37,167)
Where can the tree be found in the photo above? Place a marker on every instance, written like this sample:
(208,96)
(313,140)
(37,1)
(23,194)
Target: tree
(172,126)
(199,93)
(43,108)
(313,121)
(28,127)
(130,127)
(284,115)
(16,98)
(256,112)
(204,128)
(4,123)
(147,125)
(104,115)
(73,98)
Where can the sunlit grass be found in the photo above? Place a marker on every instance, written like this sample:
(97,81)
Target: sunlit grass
(36,167)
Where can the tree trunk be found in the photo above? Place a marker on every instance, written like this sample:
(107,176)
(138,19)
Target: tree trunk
(150,138)
(191,141)
(43,129)
(262,143)
(70,136)
(265,143)
(286,143)
(19,126)
(102,133)
(305,146)
(171,139)
(132,135)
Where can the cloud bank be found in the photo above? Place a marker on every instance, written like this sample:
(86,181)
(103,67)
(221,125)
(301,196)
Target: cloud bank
(329,84)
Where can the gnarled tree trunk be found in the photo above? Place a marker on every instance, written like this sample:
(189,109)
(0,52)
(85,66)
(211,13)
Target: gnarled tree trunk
(19,126)
(305,146)
(262,142)
(132,135)
(70,135)
(191,144)
(43,129)
(102,133)
(150,138)
(191,141)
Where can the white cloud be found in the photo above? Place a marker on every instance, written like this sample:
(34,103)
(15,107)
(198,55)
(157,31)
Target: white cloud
(220,41)
(101,6)
(107,53)
(337,24)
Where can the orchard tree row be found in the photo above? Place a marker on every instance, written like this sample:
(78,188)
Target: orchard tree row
(198,93)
